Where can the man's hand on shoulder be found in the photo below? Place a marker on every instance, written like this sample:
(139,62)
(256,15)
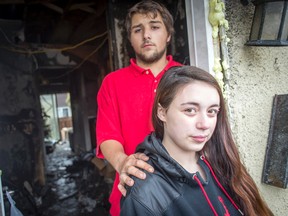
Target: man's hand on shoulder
(130,166)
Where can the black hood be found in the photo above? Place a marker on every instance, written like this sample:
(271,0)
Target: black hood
(172,190)
(159,156)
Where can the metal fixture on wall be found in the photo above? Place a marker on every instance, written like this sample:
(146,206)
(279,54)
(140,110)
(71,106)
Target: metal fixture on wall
(270,23)
(275,171)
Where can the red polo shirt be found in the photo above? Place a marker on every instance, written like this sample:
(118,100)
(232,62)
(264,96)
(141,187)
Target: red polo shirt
(125,102)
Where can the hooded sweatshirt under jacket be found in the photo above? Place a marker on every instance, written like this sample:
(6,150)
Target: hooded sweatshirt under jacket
(171,190)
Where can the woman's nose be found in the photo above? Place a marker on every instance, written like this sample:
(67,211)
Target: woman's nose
(203,122)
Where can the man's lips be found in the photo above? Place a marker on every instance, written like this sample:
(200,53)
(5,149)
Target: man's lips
(147,45)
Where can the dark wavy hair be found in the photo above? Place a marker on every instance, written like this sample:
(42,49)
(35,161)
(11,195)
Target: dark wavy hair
(154,9)
(220,150)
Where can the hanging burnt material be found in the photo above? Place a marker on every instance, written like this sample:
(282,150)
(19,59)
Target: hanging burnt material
(276,161)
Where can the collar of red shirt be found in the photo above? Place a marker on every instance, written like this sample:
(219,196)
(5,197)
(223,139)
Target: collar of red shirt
(138,70)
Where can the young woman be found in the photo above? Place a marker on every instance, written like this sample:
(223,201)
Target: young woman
(197,166)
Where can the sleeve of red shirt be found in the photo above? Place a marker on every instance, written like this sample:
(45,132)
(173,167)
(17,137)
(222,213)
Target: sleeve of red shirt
(108,122)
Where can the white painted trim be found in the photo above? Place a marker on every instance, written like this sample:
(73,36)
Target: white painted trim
(199,34)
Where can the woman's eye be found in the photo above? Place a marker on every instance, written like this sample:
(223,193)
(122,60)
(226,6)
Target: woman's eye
(190,110)
(213,112)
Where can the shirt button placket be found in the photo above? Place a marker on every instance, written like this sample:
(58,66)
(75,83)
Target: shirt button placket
(155,85)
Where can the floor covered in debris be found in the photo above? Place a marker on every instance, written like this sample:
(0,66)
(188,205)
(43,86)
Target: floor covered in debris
(75,185)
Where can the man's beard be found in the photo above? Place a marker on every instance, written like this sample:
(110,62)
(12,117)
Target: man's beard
(151,58)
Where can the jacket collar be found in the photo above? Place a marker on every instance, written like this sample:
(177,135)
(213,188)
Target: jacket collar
(154,149)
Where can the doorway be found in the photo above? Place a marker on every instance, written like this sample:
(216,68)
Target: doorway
(57,119)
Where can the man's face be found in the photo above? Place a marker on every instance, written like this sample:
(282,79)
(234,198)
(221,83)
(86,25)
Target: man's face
(148,38)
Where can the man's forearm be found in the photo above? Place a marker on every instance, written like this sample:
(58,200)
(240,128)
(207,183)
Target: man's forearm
(114,153)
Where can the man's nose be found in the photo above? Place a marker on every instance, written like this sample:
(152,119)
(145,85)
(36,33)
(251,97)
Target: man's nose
(147,34)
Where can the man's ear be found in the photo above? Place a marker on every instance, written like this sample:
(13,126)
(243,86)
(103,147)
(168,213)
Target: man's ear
(161,113)
(168,39)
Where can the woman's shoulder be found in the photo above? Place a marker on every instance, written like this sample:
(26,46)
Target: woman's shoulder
(156,187)
(147,185)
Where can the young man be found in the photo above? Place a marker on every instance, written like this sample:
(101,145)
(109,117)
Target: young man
(126,96)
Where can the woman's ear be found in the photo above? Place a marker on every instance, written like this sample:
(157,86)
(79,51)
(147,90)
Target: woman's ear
(161,113)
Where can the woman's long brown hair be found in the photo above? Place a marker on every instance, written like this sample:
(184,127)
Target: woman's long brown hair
(220,150)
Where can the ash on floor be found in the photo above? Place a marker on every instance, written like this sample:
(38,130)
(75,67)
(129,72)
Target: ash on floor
(77,185)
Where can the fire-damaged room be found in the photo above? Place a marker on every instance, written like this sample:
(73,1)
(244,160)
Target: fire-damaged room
(54,55)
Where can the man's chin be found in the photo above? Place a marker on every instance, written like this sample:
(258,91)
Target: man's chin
(149,59)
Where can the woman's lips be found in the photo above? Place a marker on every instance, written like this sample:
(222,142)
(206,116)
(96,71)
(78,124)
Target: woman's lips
(199,139)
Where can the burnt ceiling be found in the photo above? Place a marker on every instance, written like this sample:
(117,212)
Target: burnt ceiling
(62,35)
(66,36)
(55,21)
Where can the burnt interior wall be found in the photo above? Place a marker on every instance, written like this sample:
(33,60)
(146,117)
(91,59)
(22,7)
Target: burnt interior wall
(21,136)
(32,27)
(84,86)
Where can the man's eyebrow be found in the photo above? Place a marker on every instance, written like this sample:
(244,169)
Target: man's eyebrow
(155,21)
(136,26)
(151,22)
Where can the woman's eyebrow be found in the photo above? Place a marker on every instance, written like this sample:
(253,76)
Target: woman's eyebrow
(197,104)
(190,103)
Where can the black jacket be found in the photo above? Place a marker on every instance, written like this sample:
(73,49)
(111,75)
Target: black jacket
(171,190)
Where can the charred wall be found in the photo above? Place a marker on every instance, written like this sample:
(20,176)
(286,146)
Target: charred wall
(21,145)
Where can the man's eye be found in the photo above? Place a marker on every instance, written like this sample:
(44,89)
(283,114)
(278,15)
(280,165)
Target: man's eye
(155,27)
(137,30)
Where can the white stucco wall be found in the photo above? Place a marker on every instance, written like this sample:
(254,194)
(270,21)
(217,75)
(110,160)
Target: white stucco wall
(257,74)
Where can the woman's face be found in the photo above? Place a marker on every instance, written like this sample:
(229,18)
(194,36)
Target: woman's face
(191,118)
